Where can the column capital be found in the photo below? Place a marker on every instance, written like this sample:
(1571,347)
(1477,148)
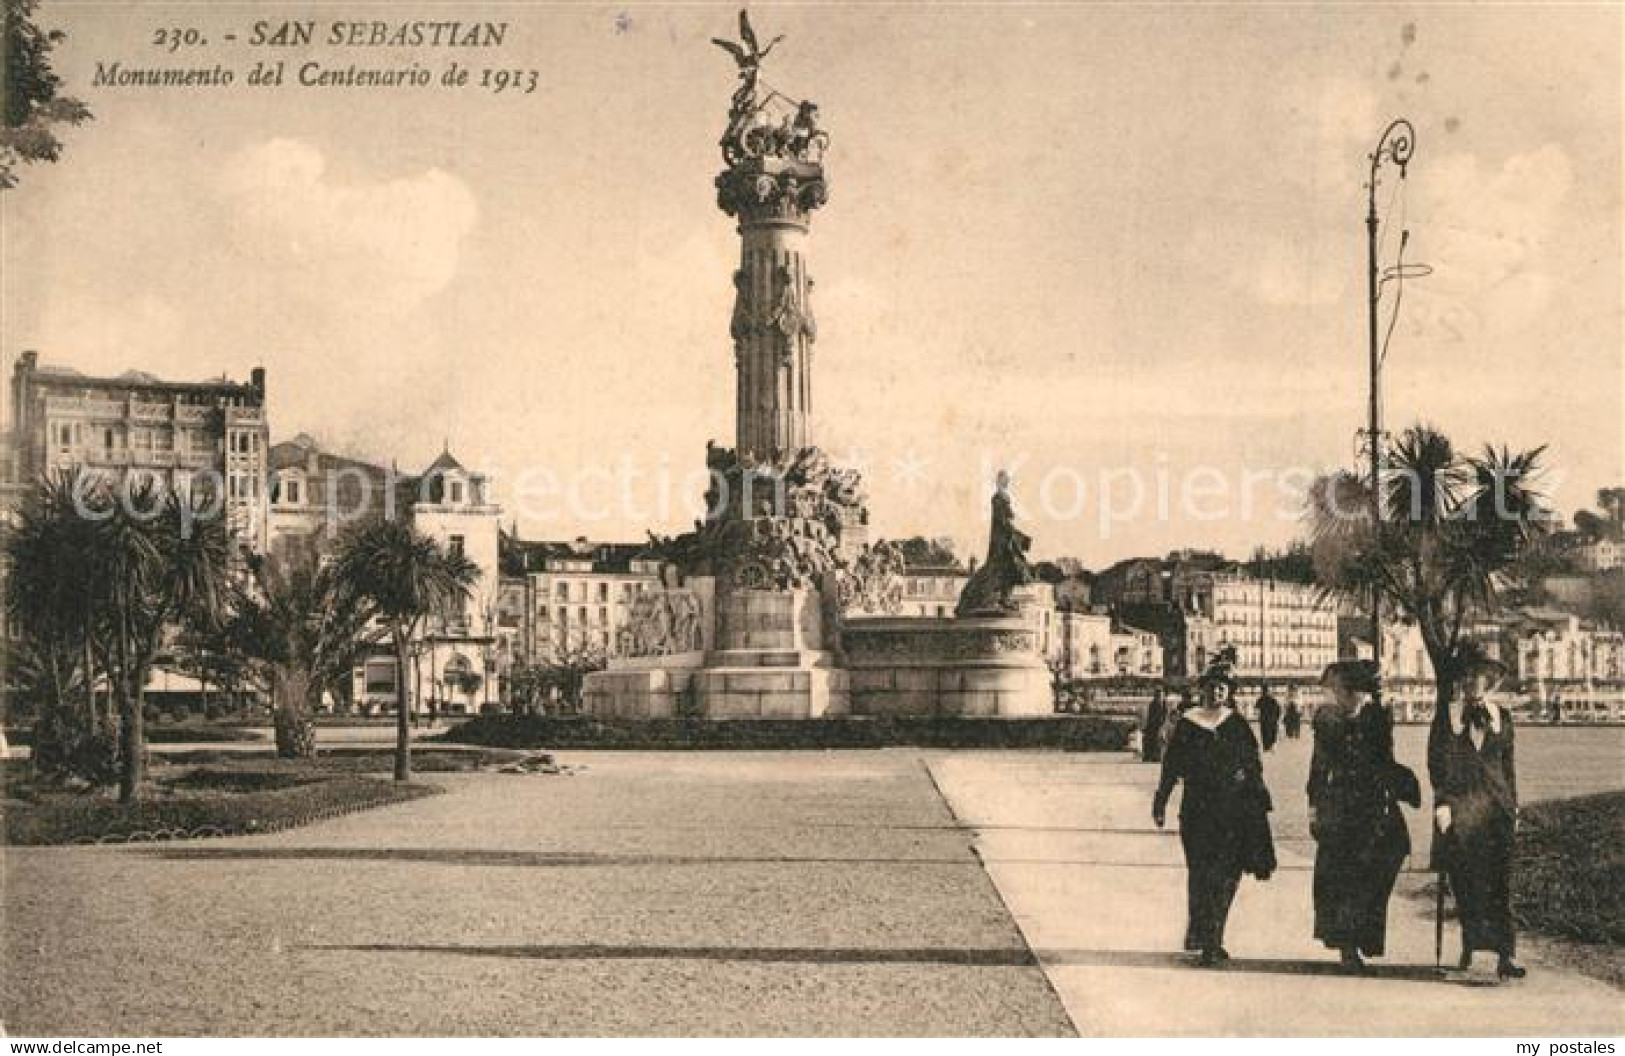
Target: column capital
(771,191)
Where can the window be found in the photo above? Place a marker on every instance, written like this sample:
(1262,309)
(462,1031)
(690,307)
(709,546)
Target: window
(603,592)
(109,439)
(456,491)
(380,678)
(64,434)
(455,545)
(562,591)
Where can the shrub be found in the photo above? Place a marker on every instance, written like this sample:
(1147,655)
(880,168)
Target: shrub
(239,779)
(70,746)
(1065,733)
(196,732)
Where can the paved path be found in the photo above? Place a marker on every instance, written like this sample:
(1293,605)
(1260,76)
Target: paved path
(1099,893)
(801,893)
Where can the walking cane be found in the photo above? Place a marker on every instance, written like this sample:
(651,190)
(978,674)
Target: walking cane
(1438,922)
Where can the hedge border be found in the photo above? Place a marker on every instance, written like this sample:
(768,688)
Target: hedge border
(1078,733)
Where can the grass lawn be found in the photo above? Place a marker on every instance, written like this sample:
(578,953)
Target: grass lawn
(210,793)
(1569,879)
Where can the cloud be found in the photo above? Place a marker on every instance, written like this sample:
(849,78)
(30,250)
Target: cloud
(385,240)
(1271,269)
(1486,230)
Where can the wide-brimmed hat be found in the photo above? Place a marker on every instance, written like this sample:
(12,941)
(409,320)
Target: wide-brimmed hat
(1220,671)
(1473,659)
(1358,675)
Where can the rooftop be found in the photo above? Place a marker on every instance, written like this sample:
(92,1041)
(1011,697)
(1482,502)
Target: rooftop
(28,363)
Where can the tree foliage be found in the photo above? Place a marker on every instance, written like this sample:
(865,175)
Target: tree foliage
(33,106)
(1295,564)
(101,575)
(302,630)
(920,552)
(405,577)
(1453,532)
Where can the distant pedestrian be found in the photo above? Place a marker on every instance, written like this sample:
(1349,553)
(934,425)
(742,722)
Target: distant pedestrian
(1223,810)
(1269,717)
(1292,720)
(1557,708)
(1182,704)
(1355,789)
(1151,731)
(1475,789)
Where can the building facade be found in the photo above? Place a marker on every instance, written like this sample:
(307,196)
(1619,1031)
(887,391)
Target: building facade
(574,596)
(1280,630)
(1559,648)
(1603,554)
(137,428)
(1093,645)
(932,590)
(459,657)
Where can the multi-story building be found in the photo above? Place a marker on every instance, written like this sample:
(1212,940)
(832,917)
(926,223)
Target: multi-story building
(1602,554)
(573,595)
(316,493)
(1141,581)
(1552,647)
(135,427)
(932,590)
(459,657)
(1279,629)
(1093,645)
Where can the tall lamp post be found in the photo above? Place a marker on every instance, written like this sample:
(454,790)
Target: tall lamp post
(1395,147)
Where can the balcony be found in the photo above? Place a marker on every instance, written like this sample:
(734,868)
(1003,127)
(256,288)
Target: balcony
(151,412)
(244,415)
(191,412)
(84,407)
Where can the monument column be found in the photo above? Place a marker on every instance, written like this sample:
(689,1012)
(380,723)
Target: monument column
(773,150)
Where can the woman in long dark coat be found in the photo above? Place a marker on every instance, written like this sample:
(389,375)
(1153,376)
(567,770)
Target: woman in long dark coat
(1355,788)
(1223,811)
(1475,794)
(1292,719)
(1156,717)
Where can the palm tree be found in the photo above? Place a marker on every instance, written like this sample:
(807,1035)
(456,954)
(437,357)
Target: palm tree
(155,559)
(405,577)
(1453,530)
(302,629)
(50,598)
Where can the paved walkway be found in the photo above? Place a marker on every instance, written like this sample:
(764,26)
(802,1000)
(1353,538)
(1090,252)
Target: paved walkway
(1099,893)
(705,893)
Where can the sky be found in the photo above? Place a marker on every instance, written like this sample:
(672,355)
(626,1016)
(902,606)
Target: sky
(1117,250)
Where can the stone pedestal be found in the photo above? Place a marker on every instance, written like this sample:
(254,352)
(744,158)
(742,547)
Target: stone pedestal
(987,667)
(768,661)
